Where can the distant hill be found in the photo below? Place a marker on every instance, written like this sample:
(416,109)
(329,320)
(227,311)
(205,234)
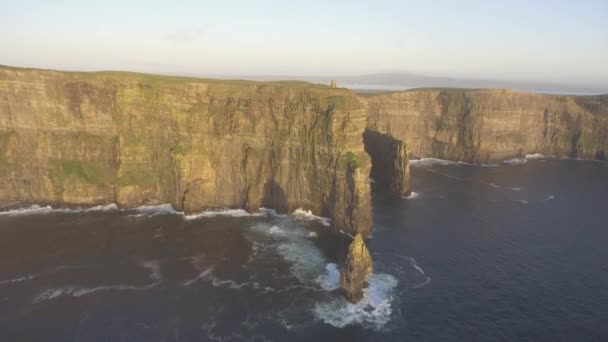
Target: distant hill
(407,80)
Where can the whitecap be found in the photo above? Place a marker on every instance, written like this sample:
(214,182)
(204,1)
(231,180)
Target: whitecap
(31,210)
(77,291)
(523,201)
(535,156)
(313,234)
(108,207)
(153,266)
(223,212)
(202,275)
(39,210)
(515,161)
(548,198)
(412,195)
(374,310)
(307,215)
(153,210)
(33,276)
(275,230)
(330,280)
(432,162)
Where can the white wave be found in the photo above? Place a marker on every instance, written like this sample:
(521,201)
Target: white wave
(271,212)
(223,212)
(330,280)
(412,195)
(31,210)
(548,198)
(432,162)
(307,215)
(305,258)
(153,266)
(202,275)
(33,276)
(374,310)
(275,230)
(153,210)
(77,291)
(371,180)
(515,161)
(38,210)
(535,156)
(515,189)
(523,201)
(421,273)
(313,234)
(108,207)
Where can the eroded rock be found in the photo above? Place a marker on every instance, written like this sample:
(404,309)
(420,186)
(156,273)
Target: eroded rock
(355,271)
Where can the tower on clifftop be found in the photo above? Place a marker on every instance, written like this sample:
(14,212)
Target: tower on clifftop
(333,84)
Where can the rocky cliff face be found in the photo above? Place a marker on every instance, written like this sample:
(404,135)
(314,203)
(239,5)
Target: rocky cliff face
(390,163)
(482,126)
(92,138)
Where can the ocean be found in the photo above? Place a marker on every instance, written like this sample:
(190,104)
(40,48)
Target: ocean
(508,252)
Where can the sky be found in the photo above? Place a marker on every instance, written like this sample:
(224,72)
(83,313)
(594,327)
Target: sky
(542,41)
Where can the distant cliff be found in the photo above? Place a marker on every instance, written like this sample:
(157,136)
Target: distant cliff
(483,126)
(88,138)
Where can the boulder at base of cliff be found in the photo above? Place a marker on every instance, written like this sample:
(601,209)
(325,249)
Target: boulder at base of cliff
(355,271)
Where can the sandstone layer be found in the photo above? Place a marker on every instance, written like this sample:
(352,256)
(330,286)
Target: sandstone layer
(80,139)
(484,126)
(355,271)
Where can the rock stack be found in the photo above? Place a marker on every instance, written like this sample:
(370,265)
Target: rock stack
(355,271)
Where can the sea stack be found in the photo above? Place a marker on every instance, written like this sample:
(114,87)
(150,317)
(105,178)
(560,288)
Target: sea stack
(355,271)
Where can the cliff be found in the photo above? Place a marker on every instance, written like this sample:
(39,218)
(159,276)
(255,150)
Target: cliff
(483,126)
(390,163)
(81,139)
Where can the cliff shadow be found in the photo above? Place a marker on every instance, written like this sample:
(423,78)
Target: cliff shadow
(275,197)
(390,164)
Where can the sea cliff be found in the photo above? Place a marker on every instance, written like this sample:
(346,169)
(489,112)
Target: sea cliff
(81,139)
(485,126)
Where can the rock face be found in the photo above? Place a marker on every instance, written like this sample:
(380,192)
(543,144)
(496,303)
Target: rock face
(132,139)
(390,163)
(483,126)
(355,271)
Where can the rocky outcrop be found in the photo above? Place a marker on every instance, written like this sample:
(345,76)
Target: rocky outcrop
(483,126)
(390,163)
(355,271)
(76,139)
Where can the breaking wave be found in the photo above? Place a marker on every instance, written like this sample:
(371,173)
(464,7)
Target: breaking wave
(413,195)
(432,162)
(37,210)
(33,276)
(373,311)
(307,215)
(548,198)
(330,280)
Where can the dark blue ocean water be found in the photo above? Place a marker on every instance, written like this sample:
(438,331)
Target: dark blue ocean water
(515,252)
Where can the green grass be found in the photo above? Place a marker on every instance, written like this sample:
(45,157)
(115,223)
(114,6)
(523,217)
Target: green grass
(89,172)
(351,160)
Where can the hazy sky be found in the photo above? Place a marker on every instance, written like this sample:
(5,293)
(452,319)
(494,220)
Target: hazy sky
(562,41)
